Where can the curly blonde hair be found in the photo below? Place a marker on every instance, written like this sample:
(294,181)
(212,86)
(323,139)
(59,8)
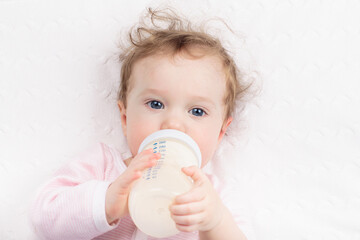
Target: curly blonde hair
(167,33)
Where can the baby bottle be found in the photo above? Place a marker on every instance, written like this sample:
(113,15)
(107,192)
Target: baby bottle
(154,192)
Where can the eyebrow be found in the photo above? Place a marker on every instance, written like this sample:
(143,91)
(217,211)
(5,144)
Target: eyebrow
(160,92)
(152,90)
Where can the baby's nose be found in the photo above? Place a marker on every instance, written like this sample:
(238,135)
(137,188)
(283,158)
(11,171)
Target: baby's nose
(173,122)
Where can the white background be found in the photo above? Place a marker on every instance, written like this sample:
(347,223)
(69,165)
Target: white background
(295,167)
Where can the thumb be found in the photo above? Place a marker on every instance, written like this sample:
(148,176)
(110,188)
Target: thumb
(194,172)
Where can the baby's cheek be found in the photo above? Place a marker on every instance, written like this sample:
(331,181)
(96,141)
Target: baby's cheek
(212,142)
(134,139)
(137,131)
(207,151)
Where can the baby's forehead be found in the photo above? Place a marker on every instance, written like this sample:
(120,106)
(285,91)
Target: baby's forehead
(179,75)
(185,65)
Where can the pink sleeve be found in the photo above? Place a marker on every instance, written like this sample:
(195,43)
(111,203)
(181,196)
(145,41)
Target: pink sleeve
(72,204)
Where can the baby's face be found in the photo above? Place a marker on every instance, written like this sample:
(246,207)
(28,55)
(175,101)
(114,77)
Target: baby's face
(176,93)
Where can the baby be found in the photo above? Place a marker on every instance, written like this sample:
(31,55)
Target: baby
(171,78)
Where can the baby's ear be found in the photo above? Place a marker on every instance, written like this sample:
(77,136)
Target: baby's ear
(224,128)
(122,109)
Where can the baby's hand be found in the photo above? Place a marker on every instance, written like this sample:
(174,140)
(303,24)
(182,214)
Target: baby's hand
(116,202)
(199,209)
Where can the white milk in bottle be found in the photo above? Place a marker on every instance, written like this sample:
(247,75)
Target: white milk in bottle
(154,192)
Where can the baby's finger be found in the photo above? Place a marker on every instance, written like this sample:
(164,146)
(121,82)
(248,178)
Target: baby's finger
(123,183)
(194,195)
(148,159)
(187,209)
(188,220)
(143,156)
(186,228)
(146,162)
(195,173)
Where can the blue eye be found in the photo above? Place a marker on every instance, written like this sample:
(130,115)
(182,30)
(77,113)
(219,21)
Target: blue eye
(197,112)
(155,104)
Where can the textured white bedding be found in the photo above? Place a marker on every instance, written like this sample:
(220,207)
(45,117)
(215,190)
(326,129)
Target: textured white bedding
(294,158)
